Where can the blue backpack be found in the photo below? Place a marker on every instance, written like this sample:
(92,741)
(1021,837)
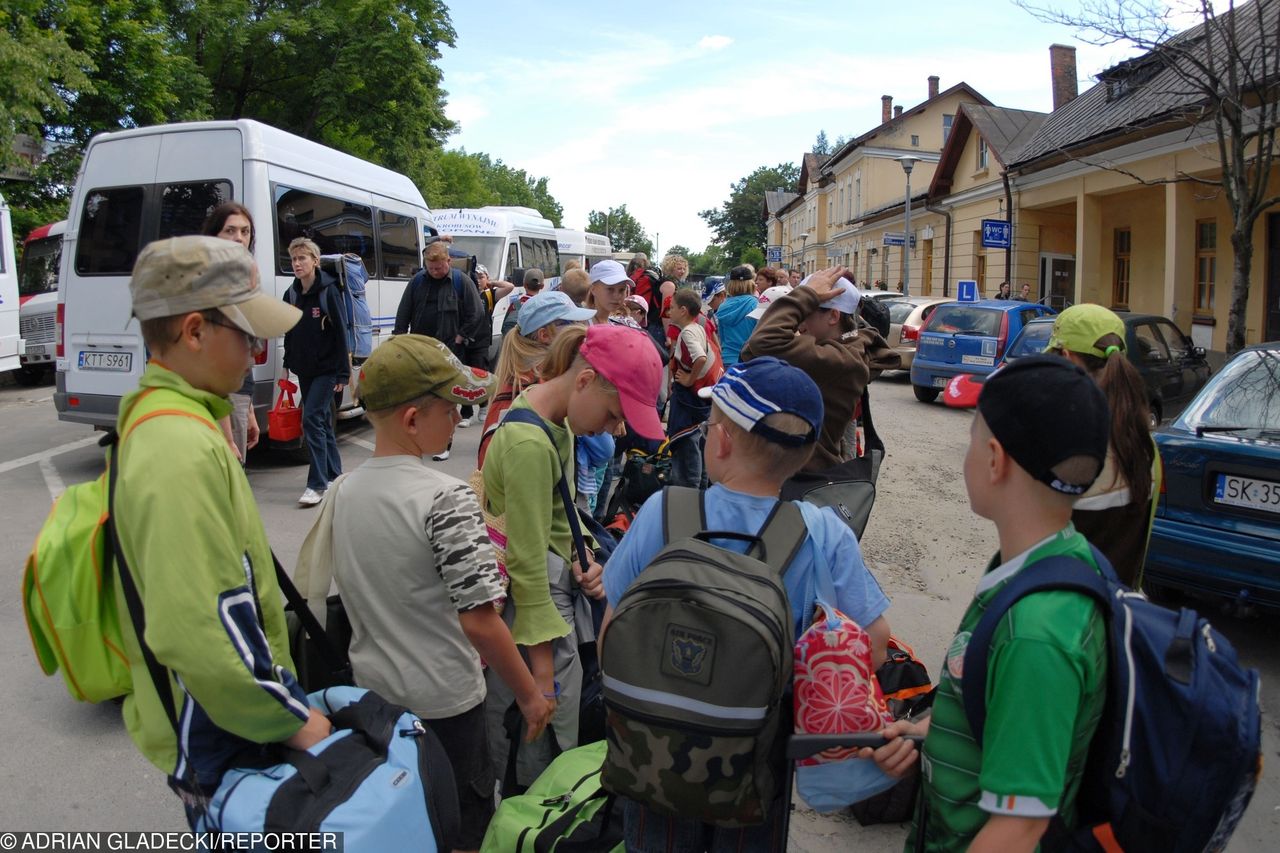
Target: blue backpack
(353,284)
(382,779)
(1177,753)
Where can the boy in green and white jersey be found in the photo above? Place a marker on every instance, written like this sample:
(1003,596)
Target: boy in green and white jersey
(1037,442)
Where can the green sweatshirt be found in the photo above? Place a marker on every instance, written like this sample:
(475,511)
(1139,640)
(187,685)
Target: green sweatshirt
(197,550)
(521,469)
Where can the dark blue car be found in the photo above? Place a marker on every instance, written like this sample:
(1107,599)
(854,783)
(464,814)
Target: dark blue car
(967,337)
(1217,527)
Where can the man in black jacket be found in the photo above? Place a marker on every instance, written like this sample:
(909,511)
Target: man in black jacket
(444,304)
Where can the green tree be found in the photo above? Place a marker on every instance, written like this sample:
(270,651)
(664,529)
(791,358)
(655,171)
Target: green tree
(682,251)
(820,144)
(624,231)
(754,255)
(739,223)
(475,180)
(357,75)
(37,64)
(710,261)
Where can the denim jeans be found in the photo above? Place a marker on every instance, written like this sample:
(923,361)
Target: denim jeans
(687,409)
(317,430)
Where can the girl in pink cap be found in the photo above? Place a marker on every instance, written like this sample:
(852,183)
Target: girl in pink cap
(594,379)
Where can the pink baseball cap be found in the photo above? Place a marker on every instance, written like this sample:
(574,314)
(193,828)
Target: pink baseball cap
(628,359)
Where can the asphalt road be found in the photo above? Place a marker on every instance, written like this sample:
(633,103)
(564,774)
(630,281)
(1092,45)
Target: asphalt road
(71,766)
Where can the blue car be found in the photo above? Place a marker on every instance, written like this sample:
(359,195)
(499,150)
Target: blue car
(967,337)
(1217,526)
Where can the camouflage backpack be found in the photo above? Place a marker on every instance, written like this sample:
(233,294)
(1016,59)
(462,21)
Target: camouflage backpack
(698,659)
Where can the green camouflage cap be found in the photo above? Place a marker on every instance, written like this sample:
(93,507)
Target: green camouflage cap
(1079,328)
(184,274)
(408,366)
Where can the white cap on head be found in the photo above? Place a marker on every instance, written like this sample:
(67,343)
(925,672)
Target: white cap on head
(769,295)
(608,272)
(846,299)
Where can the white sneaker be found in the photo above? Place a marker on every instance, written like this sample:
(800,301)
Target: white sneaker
(310,498)
(464,423)
(441,456)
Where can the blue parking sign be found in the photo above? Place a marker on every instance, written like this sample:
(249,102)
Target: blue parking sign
(966,290)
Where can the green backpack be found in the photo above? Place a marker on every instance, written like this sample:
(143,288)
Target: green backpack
(68,591)
(566,804)
(696,662)
(69,586)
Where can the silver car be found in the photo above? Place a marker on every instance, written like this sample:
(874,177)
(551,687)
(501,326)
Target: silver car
(907,316)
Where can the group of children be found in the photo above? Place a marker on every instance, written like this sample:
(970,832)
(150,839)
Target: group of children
(412,550)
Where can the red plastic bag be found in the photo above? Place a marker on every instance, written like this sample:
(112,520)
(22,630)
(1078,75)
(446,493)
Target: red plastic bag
(284,421)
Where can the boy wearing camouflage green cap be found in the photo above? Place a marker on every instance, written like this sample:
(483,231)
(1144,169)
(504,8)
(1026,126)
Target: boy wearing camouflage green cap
(417,572)
(190,530)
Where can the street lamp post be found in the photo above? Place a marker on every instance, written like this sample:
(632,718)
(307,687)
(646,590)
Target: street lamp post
(804,267)
(908,163)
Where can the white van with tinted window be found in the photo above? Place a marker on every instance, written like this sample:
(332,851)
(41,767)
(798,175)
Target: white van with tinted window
(10,339)
(136,186)
(582,246)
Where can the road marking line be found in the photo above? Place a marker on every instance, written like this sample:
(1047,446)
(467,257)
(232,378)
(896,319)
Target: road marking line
(359,442)
(52,479)
(6,467)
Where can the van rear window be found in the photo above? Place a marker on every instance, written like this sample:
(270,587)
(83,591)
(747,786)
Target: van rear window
(965,320)
(110,231)
(185,207)
(336,226)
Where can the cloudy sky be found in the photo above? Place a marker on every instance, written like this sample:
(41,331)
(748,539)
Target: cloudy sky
(663,105)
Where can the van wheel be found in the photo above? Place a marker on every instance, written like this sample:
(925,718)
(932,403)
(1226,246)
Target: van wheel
(924,393)
(1155,416)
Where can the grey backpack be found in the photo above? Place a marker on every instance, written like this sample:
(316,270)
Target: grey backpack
(697,661)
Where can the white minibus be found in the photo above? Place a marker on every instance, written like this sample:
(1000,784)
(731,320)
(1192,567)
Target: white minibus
(582,246)
(140,185)
(10,339)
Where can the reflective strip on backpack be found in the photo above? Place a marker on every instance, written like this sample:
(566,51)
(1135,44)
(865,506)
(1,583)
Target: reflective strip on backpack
(683,703)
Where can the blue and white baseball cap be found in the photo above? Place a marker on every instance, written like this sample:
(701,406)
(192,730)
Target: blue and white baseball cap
(548,307)
(752,390)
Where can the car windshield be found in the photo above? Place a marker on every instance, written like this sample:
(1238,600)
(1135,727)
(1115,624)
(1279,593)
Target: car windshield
(488,251)
(965,320)
(1245,395)
(899,311)
(1032,341)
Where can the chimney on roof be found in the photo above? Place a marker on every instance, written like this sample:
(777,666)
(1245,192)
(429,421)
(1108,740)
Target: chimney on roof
(933,85)
(886,108)
(897,111)
(1062,72)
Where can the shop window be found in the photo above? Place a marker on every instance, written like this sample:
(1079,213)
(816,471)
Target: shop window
(1206,264)
(1120,280)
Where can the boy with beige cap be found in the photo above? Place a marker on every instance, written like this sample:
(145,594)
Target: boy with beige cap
(417,572)
(190,529)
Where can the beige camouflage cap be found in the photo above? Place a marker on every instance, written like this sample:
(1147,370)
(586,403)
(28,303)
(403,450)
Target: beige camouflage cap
(408,366)
(184,274)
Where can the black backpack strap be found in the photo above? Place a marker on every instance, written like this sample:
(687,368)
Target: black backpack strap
(1055,573)
(529,416)
(684,515)
(334,661)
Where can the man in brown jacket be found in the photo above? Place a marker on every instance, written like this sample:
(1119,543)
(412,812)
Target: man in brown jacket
(815,328)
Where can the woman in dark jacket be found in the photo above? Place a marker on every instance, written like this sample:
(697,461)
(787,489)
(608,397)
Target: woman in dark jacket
(316,350)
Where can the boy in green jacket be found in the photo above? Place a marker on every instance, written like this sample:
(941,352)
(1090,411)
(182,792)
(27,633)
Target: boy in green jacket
(1037,443)
(190,529)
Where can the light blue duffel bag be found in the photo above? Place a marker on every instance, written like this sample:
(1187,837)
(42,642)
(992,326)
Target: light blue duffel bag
(382,779)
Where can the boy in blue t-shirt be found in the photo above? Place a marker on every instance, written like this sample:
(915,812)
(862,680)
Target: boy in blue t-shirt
(764,423)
